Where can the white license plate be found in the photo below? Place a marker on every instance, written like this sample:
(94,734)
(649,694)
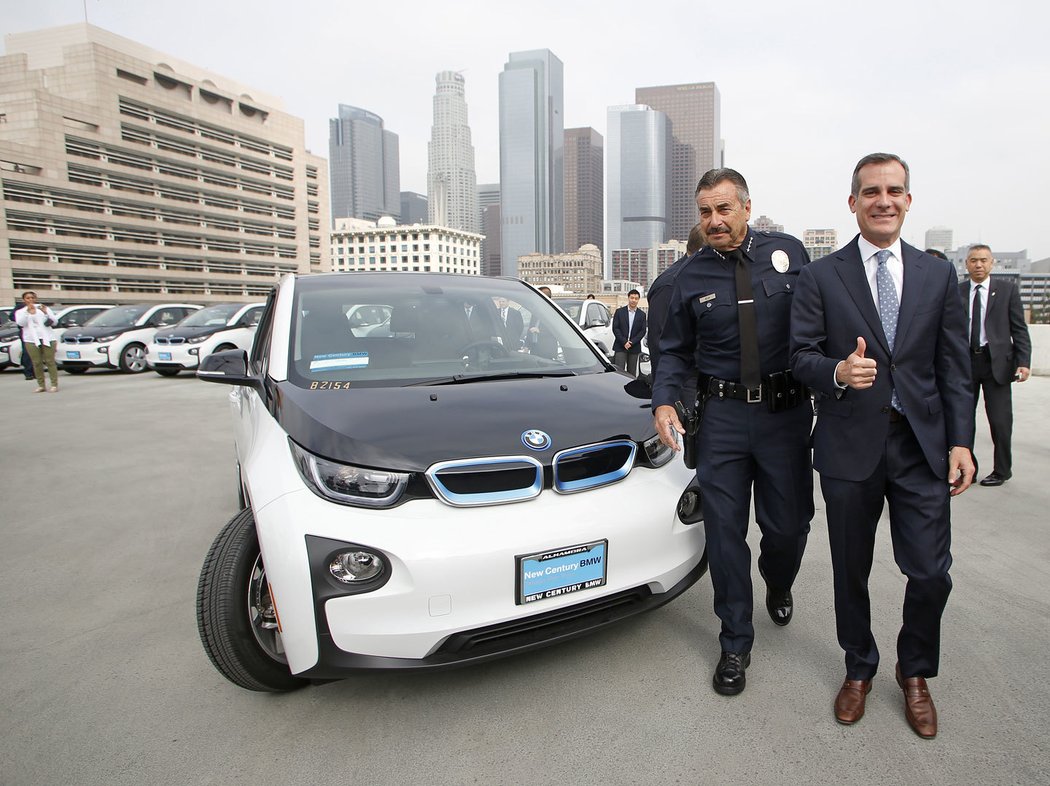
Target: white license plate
(548,574)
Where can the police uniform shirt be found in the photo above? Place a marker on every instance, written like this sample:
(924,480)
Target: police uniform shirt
(702,323)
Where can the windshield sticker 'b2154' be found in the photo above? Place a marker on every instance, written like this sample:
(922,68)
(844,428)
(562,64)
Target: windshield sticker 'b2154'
(339,360)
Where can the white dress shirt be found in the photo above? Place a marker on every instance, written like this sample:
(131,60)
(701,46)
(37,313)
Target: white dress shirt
(895,265)
(36,328)
(983,292)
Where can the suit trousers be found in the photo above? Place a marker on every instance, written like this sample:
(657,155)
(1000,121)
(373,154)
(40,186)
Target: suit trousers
(627,361)
(999,407)
(920,530)
(742,445)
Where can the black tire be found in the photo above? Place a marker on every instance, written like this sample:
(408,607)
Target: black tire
(133,359)
(223,348)
(167,372)
(234,610)
(74,369)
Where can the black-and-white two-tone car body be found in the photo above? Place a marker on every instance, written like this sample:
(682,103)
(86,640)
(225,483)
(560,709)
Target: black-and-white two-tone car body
(118,337)
(430,495)
(214,328)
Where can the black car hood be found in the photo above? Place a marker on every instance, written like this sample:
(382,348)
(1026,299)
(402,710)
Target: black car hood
(410,428)
(8,332)
(190,332)
(95,332)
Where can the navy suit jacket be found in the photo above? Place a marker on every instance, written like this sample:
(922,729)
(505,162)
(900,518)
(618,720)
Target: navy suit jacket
(619,328)
(1009,345)
(929,366)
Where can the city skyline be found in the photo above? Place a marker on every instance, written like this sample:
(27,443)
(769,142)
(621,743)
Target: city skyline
(796,112)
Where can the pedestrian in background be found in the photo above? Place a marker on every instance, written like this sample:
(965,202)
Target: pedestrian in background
(628,326)
(877,331)
(26,362)
(1000,352)
(38,339)
(729,318)
(658,296)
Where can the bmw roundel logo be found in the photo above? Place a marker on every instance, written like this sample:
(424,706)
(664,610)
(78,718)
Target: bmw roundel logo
(534,439)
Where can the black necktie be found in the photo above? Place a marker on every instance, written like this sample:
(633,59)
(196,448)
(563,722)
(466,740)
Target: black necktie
(750,373)
(975,320)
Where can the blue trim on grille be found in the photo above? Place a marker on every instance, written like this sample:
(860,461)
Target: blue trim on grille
(572,486)
(485,498)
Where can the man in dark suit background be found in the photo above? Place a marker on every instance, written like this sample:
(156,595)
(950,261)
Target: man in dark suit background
(877,332)
(1000,351)
(628,328)
(511,324)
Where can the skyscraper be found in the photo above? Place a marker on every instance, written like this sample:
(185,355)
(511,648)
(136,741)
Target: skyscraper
(639,195)
(452,197)
(489,222)
(695,114)
(531,140)
(364,166)
(584,188)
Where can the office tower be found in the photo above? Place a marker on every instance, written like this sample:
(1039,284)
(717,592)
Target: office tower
(452,197)
(766,224)
(584,188)
(413,208)
(939,238)
(638,198)
(360,245)
(129,176)
(531,140)
(364,165)
(489,223)
(695,114)
(820,242)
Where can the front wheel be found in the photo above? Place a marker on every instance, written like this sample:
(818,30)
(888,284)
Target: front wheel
(133,359)
(236,617)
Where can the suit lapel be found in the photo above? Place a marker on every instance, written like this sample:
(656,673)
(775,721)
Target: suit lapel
(850,268)
(914,285)
(993,288)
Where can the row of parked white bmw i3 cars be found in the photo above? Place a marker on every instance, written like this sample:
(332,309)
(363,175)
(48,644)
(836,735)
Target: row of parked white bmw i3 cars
(163,337)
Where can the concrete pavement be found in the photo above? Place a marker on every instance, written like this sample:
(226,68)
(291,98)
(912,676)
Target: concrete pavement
(114,488)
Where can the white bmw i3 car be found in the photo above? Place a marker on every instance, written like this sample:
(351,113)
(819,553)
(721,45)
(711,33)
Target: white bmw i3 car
(214,328)
(432,495)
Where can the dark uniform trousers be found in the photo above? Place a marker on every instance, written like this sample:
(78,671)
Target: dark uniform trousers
(920,530)
(740,444)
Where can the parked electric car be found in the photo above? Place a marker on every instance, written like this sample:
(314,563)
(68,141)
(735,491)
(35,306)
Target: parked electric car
(594,319)
(435,496)
(214,328)
(118,337)
(67,316)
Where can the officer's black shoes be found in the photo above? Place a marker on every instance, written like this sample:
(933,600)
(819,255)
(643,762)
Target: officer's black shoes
(779,604)
(995,479)
(729,679)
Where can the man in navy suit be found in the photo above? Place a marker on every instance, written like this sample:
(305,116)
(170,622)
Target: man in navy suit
(1000,349)
(878,331)
(628,330)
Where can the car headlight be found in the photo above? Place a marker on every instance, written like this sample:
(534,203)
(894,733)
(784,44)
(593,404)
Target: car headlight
(348,484)
(105,339)
(657,452)
(198,339)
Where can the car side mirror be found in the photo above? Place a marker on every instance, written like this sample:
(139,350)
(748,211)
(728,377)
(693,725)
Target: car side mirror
(230,367)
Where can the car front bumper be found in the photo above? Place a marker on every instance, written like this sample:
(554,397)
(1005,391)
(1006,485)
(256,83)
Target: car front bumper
(172,356)
(452,592)
(94,355)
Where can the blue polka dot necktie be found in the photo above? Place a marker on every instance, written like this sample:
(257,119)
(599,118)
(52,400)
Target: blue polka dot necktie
(888,308)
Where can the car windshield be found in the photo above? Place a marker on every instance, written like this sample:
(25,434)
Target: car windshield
(570,307)
(212,316)
(120,316)
(410,329)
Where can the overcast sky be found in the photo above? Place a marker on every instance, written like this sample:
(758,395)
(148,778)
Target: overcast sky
(960,89)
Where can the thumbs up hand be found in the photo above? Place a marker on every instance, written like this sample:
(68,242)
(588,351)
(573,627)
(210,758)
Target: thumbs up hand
(856,371)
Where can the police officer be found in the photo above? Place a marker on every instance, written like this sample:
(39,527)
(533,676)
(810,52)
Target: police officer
(729,314)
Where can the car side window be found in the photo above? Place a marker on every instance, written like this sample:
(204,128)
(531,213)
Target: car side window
(250,318)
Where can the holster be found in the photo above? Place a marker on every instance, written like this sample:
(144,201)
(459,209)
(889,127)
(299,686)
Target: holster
(783,391)
(691,422)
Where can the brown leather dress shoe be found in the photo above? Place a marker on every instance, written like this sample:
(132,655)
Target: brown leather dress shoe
(918,705)
(849,704)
